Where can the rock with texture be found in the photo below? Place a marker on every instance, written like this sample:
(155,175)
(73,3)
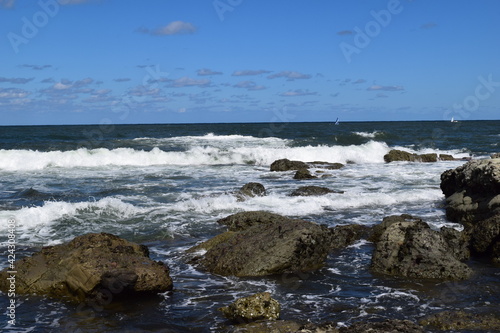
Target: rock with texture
(312,191)
(412,249)
(256,307)
(302,174)
(89,265)
(287,165)
(251,190)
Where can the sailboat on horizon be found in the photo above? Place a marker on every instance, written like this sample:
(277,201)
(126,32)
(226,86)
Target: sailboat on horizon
(337,121)
(453,120)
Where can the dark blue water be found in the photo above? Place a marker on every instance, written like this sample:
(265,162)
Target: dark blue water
(166,185)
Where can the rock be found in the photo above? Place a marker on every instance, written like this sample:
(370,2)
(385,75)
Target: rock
(244,220)
(89,266)
(345,235)
(472,191)
(379,229)
(326,165)
(274,326)
(496,155)
(458,242)
(400,155)
(312,191)
(256,307)
(252,190)
(287,165)
(278,246)
(485,238)
(387,326)
(461,320)
(412,249)
(446,157)
(303,174)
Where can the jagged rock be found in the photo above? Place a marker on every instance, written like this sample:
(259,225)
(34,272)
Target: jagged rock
(312,191)
(88,266)
(274,326)
(256,307)
(461,320)
(279,245)
(458,242)
(287,165)
(412,249)
(400,155)
(326,165)
(252,190)
(345,235)
(303,174)
(472,191)
(485,238)
(244,220)
(387,221)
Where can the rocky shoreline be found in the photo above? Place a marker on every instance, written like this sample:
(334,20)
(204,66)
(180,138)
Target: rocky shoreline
(259,243)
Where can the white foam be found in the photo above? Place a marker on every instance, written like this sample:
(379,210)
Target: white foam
(368,134)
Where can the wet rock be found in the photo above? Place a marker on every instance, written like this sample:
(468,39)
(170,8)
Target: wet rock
(252,308)
(287,165)
(461,320)
(252,190)
(387,326)
(458,242)
(89,266)
(326,165)
(345,235)
(244,220)
(303,174)
(312,191)
(400,155)
(387,221)
(279,246)
(496,155)
(274,326)
(472,191)
(412,249)
(485,238)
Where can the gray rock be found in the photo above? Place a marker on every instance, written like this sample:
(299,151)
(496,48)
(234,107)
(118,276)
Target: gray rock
(287,165)
(244,220)
(88,266)
(379,229)
(256,307)
(412,249)
(312,191)
(485,238)
(387,326)
(400,155)
(253,190)
(461,320)
(302,174)
(259,249)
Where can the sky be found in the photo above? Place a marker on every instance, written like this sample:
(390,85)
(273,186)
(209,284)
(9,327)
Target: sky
(197,61)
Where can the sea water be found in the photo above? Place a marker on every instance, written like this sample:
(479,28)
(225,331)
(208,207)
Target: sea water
(165,186)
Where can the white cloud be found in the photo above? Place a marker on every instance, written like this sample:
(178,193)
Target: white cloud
(297,92)
(173,28)
(289,75)
(206,71)
(250,72)
(385,88)
(250,85)
(188,82)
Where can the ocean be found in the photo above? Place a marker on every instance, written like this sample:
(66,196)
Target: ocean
(165,186)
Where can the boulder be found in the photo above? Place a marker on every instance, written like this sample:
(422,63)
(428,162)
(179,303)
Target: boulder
(303,174)
(287,165)
(495,155)
(256,307)
(401,155)
(244,220)
(387,221)
(274,245)
(252,190)
(461,320)
(472,191)
(312,191)
(345,235)
(90,266)
(485,238)
(326,165)
(412,249)
(273,326)
(387,326)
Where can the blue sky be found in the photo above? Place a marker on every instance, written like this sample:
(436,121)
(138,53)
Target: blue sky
(182,61)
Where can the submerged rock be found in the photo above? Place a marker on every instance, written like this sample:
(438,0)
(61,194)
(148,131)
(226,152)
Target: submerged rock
(412,249)
(287,165)
(89,266)
(256,307)
(312,191)
(303,174)
(270,245)
(387,326)
(251,190)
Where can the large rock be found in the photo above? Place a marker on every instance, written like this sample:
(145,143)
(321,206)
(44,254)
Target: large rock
(412,249)
(485,238)
(244,220)
(461,320)
(90,266)
(256,307)
(472,191)
(401,155)
(386,326)
(287,165)
(275,245)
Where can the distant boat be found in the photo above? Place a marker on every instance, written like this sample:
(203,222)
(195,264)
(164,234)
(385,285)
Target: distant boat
(337,121)
(453,120)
